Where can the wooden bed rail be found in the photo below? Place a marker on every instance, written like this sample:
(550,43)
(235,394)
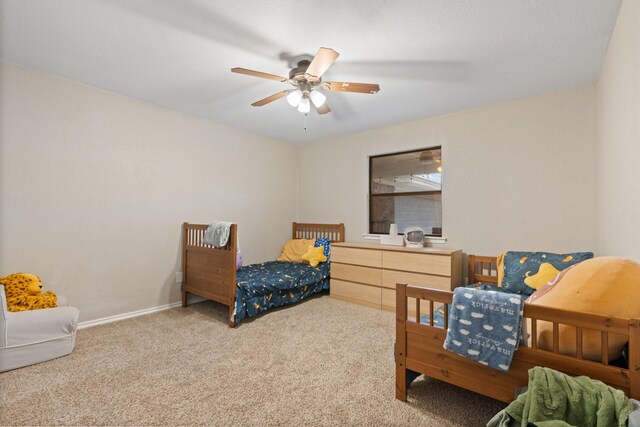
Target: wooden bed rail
(419,348)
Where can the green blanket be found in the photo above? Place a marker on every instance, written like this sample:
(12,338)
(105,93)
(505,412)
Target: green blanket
(554,399)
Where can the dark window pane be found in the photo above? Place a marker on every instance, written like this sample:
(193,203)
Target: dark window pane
(407,172)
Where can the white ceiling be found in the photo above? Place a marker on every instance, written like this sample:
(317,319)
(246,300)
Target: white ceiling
(429,57)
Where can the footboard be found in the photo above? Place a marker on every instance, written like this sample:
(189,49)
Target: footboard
(420,348)
(209,272)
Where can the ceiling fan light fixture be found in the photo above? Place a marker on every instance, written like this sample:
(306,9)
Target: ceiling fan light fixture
(294,98)
(317,98)
(304,106)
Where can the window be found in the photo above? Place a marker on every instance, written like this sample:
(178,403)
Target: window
(406,189)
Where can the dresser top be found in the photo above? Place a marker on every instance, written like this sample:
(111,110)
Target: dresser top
(378,246)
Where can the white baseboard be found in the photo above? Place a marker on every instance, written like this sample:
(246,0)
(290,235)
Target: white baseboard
(117,317)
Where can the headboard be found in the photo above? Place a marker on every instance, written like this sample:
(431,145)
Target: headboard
(333,232)
(482,269)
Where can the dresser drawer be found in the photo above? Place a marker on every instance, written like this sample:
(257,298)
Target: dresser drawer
(391,277)
(418,263)
(367,274)
(370,296)
(356,273)
(365,257)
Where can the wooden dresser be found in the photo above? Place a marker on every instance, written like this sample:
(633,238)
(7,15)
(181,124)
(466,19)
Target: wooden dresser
(367,274)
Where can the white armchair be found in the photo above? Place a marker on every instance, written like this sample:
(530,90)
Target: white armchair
(34,336)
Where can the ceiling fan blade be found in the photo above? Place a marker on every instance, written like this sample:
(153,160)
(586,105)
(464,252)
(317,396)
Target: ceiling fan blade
(321,63)
(323,109)
(271,98)
(258,74)
(351,87)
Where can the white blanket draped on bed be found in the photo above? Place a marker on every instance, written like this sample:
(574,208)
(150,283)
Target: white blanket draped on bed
(217,233)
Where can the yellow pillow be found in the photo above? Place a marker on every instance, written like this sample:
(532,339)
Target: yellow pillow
(315,256)
(294,249)
(546,274)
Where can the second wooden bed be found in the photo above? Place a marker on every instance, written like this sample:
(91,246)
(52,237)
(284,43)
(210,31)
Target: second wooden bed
(420,344)
(210,272)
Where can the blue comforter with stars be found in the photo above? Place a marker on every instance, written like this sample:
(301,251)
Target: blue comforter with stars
(276,283)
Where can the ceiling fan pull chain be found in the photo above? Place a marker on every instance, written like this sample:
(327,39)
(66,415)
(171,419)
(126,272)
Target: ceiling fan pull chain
(305,120)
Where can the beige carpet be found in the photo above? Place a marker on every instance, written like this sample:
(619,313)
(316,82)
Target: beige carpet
(321,362)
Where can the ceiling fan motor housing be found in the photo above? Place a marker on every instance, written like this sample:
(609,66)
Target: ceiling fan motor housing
(297,73)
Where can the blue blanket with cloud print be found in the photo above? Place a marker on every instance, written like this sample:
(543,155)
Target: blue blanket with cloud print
(485,326)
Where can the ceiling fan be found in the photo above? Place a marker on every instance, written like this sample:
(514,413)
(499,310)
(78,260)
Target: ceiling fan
(306,79)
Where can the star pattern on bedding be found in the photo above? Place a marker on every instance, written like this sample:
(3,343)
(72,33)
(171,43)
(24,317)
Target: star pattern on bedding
(275,283)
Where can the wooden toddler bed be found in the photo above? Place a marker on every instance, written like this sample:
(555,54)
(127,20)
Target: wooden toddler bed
(420,344)
(210,272)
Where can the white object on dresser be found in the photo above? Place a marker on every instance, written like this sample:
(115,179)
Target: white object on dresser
(367,274)
(392,239)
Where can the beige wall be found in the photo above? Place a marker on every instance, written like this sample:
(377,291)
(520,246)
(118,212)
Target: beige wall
(516,175)
(95,186)
(618,119)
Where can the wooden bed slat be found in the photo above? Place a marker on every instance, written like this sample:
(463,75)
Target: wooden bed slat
(605,348)
(579,343)
(430,311)
(446,317)
(401,336)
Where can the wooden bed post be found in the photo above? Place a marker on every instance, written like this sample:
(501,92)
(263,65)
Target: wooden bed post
(184,262)
(401,341)
(233,243)
(471,261)
(634,358)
